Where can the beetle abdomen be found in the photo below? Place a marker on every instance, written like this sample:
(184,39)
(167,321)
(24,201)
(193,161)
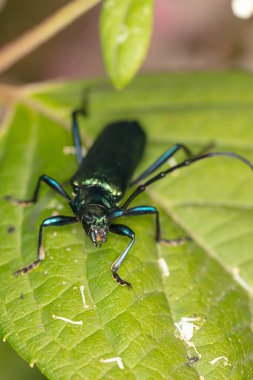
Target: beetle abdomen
(112,159)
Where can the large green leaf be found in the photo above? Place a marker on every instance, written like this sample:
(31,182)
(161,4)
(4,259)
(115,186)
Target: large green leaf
(210,277)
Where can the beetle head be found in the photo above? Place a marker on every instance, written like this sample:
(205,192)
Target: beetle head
(96,224)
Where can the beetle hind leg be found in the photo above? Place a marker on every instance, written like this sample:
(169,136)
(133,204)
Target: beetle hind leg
(174,242)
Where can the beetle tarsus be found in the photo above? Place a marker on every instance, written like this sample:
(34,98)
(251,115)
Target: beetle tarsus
(119,280)
(28,268)
(175,242)
(19,202)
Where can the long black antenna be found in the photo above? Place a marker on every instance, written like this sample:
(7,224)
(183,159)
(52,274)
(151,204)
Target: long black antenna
(187,162)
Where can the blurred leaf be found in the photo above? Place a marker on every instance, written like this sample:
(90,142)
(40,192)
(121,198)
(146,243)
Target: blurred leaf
(210,278)
(125,29)
(15,368)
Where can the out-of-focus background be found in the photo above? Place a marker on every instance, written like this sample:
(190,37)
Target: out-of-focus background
(188,34)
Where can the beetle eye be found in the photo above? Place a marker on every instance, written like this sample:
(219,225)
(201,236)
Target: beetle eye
(88,218)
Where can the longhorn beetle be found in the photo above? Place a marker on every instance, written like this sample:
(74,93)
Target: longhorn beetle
(100,182)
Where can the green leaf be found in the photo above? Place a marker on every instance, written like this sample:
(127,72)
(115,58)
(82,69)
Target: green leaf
(13,367)
(125,30)
(210,277)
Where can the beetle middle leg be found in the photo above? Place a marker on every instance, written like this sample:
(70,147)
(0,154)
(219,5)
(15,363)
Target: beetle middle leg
(50,182)
(120,229)
(59,220)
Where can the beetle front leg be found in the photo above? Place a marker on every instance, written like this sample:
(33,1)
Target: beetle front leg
(76,134)
(52,221)
(120,229)
(145,210)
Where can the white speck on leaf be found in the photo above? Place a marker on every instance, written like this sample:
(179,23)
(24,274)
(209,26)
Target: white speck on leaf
(69,150)
(117,359)
(123,35)
(67,320)
(186,330)
(225,362)
(164,267)
(85,306)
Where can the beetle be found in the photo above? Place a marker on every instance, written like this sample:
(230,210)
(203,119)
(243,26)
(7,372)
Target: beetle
(100,182)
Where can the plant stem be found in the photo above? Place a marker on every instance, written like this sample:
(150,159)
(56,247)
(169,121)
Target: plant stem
(15,50)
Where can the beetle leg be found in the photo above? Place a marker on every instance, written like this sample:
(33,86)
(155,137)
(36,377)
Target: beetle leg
(166,156)
(120,229)
(161,160)
(144,210)
(50,182)
(76,134)
(59,220)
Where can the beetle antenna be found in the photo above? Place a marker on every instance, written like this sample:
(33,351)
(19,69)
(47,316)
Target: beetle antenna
(187,162)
